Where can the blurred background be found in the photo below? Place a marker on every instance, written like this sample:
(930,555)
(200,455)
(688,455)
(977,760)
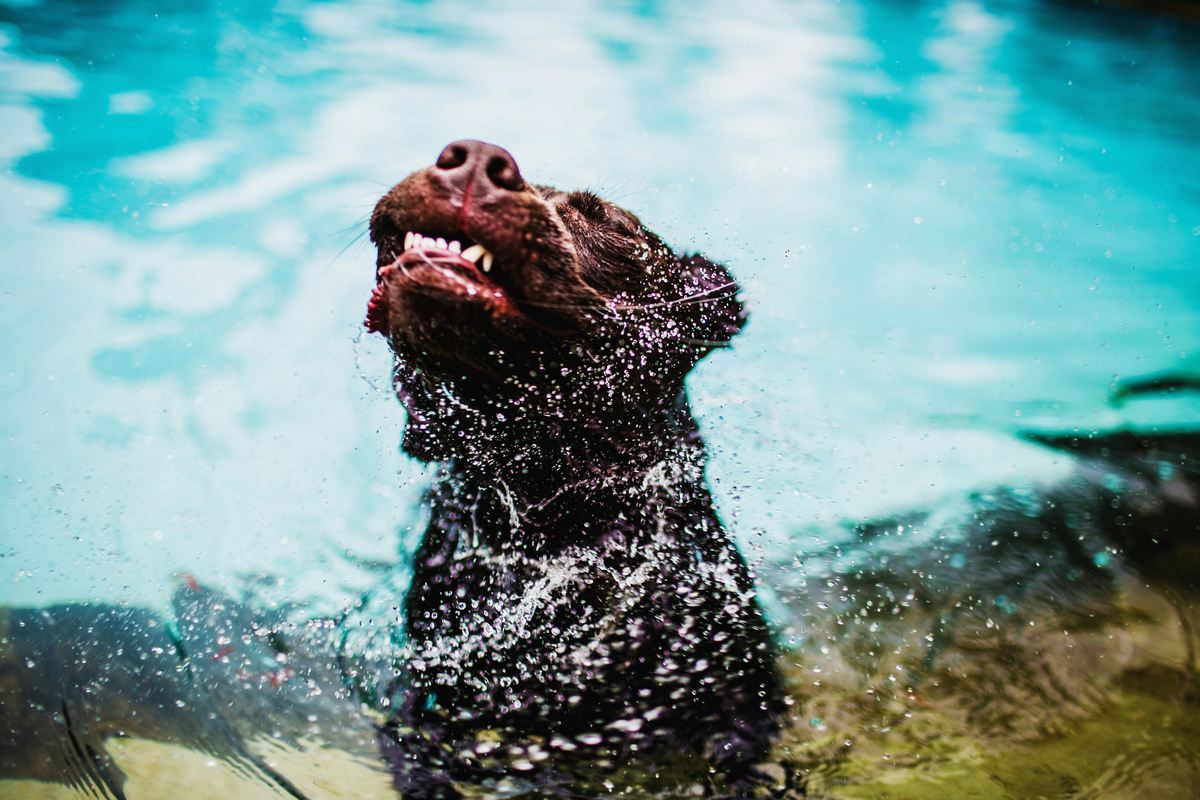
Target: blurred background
(952,220)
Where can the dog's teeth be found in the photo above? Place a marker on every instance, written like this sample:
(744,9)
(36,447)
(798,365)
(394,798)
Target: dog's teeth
(429,242)
(487,261)
(455,247)
(441,243)
(408,240)
(473,253)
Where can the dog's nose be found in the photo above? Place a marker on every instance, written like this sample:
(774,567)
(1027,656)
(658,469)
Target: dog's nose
(480,167)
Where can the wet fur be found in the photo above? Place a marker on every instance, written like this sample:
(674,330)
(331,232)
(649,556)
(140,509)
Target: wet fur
(575,594)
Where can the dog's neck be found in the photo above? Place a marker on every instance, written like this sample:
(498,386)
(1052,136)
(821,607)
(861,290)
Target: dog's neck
(538,484)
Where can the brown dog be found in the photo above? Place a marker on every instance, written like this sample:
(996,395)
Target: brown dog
(575,595)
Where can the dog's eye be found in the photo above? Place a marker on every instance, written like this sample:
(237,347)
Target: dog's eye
(589,205)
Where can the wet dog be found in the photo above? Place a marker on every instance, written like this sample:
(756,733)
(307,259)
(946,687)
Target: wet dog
(575,596)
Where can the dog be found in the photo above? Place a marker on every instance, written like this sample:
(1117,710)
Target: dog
(575,597)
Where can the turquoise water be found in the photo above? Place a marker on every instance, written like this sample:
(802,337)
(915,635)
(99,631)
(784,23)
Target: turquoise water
(953,220)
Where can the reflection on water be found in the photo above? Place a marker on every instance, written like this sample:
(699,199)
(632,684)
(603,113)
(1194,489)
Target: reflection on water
(955,219)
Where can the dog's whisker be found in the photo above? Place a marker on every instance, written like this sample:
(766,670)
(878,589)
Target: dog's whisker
(356,240)
(698,298)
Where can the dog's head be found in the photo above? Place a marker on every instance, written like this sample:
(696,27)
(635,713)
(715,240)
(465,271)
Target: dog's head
(503,299)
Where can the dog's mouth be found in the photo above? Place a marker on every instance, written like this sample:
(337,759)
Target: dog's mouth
(465,248)
(447,269)
(514,274)
(464,265)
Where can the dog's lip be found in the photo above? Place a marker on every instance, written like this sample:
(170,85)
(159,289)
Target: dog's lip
(454,255)
(446,269)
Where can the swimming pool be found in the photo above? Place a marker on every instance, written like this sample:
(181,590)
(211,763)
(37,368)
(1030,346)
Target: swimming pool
(953,220)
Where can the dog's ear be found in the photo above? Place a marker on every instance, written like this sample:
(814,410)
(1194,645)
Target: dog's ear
(706,305)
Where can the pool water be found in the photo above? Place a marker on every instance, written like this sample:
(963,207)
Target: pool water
(954,222)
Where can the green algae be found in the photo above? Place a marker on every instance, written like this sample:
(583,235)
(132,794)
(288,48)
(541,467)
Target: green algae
(1086,702)
(1144,743)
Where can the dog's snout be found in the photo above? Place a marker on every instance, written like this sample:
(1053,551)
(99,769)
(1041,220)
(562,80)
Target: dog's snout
(479,167)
